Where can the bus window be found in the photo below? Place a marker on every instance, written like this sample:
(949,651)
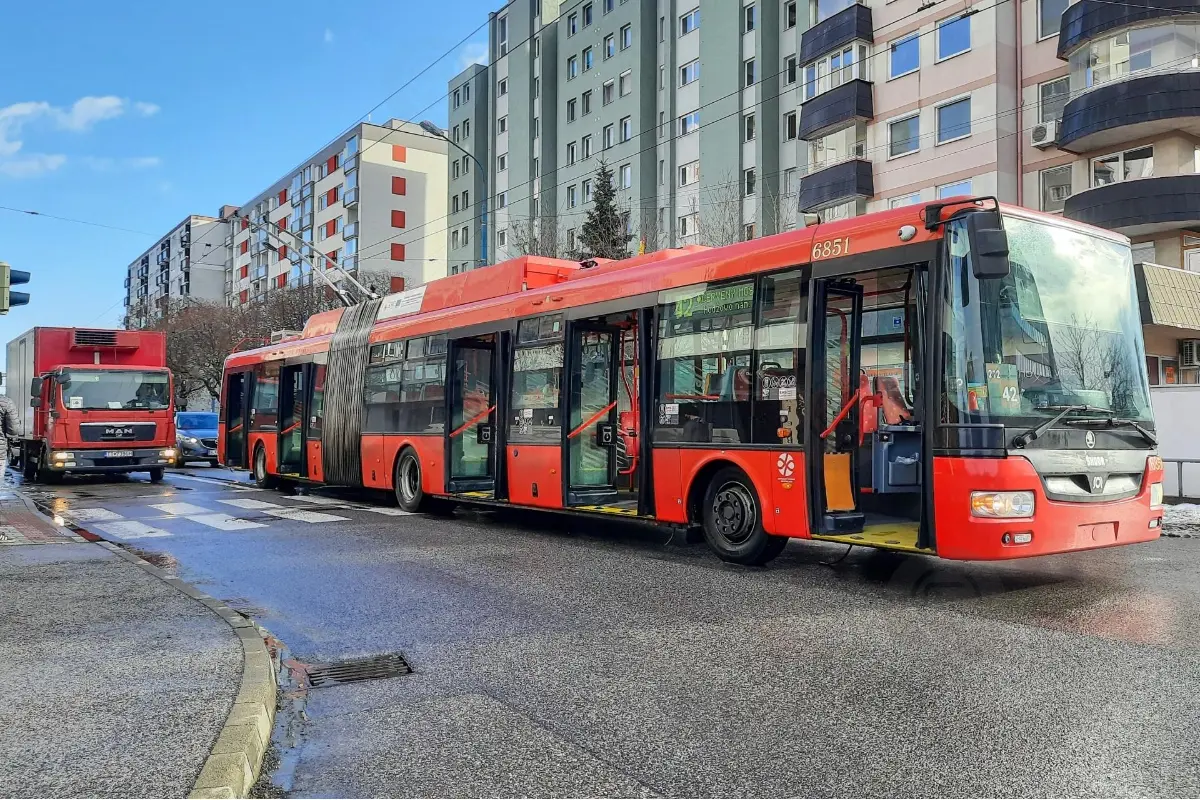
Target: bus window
(381,399)
(264,405)
(537,380)
(704,362)
(317,410)
(423,386)
(779,345)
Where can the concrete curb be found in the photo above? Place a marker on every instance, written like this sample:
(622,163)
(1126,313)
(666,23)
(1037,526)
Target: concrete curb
(234,763)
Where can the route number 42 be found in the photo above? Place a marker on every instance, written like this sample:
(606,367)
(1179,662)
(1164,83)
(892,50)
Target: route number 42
(831,248)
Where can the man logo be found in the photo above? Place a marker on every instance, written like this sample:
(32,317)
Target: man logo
(1090,440)
(1097,483)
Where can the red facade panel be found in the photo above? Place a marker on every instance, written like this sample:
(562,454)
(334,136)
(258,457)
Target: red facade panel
(397,219)
(399,185)
(397,251)
(399,152)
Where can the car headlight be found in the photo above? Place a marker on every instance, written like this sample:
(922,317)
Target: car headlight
(1156,495)
(191,440)
(1001,505)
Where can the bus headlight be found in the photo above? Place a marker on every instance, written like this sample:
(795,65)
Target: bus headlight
(1156,495)
(1001,505)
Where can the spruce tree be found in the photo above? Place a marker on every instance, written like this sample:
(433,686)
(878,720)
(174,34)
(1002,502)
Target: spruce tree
(603,234)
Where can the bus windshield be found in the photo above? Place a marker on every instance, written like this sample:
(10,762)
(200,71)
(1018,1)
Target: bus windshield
(125,389)
(1063,328)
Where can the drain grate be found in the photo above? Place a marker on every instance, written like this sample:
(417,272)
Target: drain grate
(387,665)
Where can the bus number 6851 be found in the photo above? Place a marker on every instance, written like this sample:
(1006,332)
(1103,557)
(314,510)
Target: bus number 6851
(831,248)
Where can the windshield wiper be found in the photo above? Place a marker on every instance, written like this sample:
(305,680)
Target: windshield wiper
(1120,422)
(1022,439)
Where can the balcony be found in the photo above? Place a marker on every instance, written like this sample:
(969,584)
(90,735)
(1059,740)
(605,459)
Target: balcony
(838,183)
(848,25)
(349,163)
(163,257)
(350,263)
(1135,108)
(828,110)
(1139,207)
(350,197)
(350,230)
(1090,19)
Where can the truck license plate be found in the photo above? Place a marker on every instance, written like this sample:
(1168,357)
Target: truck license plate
(118,454)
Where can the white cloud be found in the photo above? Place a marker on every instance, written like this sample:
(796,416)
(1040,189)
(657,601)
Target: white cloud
(328,36)
(146,109)
(12,119)
(107,164)
(472,53)
(30,166)
(87,111)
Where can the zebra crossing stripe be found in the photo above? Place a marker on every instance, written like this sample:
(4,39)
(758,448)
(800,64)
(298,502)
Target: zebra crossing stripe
(301,515)
(91,514)
(224,522)
(179,509)
(317,500)
(129,529)
(249,503)
(387,511)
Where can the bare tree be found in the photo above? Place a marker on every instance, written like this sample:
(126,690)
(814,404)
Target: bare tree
(778,208)
(719,212)
(537,236)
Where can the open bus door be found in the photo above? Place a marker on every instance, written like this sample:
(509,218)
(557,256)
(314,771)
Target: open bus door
(235,413)
(833,440)
(471,432)
(293,420)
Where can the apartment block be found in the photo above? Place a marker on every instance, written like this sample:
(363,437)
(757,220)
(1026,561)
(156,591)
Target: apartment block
(373,202)
(189,262)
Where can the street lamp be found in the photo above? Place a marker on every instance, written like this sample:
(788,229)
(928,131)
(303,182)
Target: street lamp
(432,129)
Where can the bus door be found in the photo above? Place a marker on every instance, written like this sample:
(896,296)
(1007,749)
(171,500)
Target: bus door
(591,431)
(471,432)
(836,390)
(235,413)
(293,420)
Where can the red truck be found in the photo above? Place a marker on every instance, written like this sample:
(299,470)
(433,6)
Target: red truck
(93,400)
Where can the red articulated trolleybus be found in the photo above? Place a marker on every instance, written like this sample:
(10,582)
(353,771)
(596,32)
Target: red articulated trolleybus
(960,378)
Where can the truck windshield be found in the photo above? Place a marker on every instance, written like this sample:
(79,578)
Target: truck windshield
(115,390)
(1063,328)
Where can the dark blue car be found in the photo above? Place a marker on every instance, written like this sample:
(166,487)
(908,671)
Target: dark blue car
(196,436)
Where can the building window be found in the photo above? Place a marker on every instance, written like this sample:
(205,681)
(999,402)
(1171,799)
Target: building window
(608,6)
(466,92)
(586,102)
(626,128)
(455,136)
(454,239)
(537,127)
(1056,187)
(748,68)
(606,92)
(537,46)
(467,125)
(502,238)
(904,200)
(689,173)
(537,88)
(789,126)
(833,70)
(748,18)
(610,46)
(502,125)
(626,37)
(687,225)
(571,110)
(1052,99)
(954,189)
(572,67)
(466,236)
(749,182)
(454,168)
(820,10)
(571,153)
(587,190)
(689,22)
(587,14)
(466,164)
(502,34)
(466,195)
(689,72)
(789,14)
(626,176)
(904,56)
(502,87)
(953,37)
(748,127)
(625,82)
(904,136)
(457,98)
(572,198)
(1050,17)
(747,231)
(587,58)
(586,142)
(502,162)
(954,120)
(662,172)
(1126,166)
(570,238)
(790,70)
(606,137)
(501,199)
(572,24)
(689,122)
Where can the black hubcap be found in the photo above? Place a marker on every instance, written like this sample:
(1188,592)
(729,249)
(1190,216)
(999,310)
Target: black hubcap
(733,513)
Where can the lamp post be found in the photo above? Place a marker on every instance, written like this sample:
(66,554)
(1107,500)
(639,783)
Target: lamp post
(432,129)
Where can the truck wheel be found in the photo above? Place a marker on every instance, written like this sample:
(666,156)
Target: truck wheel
(156,474)
(732,521)
(262,478)
(28,465)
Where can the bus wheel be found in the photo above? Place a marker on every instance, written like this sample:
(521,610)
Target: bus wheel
(732,520)
(262,478)
(409,494)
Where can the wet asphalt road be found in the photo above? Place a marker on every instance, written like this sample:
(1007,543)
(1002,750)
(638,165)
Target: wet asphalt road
(558,657)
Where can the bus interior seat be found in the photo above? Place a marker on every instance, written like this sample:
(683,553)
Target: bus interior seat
(896,410)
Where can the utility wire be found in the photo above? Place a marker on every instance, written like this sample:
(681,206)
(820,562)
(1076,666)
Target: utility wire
(76,221)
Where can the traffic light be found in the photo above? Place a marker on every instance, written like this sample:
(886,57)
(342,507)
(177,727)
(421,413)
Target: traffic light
(8,277)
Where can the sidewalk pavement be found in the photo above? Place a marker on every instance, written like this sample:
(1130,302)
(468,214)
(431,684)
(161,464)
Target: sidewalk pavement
(112,682)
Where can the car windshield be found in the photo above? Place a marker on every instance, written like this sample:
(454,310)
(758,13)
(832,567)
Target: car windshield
(1063,328)
(115,390)
(194,420)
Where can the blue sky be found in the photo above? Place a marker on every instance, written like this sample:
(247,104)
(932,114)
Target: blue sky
(138,117)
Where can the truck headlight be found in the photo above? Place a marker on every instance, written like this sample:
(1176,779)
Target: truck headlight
(1001,505)
(63,455)
(1156,495)
(168,453)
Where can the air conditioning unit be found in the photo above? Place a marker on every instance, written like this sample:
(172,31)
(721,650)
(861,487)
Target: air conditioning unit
(1044,134)
(1189,352)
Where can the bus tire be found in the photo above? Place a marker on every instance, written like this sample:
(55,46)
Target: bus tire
(407,482)
(156,474)
(262,478)
(731,517)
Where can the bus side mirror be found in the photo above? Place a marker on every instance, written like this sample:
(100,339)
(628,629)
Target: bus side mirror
(988,244)
(35,392)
